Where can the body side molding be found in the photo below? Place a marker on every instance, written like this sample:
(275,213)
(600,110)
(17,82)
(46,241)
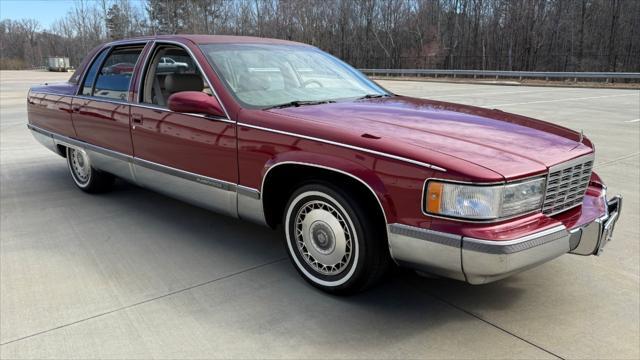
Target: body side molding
(352,147)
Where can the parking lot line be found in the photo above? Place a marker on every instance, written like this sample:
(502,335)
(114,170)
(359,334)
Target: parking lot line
(148,300)
(505,93)
(500,328)
(116,281)
(559,100)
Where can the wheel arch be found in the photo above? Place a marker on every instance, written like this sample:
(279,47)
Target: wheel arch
(281,178)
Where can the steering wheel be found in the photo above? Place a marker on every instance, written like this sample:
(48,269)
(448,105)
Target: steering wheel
(309,82)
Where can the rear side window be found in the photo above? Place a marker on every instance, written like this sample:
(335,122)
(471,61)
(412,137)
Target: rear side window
(89,79)
(115,74)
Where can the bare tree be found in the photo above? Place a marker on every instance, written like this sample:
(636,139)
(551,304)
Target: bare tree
(558,35)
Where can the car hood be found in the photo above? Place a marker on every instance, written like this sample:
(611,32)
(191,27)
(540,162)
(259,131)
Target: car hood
(511,145)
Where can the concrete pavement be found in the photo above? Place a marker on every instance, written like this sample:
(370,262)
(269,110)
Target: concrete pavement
(133,274)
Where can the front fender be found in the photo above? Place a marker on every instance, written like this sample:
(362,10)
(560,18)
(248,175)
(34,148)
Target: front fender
(357,171)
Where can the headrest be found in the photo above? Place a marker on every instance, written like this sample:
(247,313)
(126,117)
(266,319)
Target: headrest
(174,83)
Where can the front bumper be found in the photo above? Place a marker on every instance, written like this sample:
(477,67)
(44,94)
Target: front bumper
(481,261)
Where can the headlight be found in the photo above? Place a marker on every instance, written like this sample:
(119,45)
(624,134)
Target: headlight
(482,202)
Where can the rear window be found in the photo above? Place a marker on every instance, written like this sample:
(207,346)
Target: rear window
(89,79)
(115,74)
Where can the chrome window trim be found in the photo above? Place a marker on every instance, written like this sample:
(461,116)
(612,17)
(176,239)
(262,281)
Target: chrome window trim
(493,183)
(109,49)
(186,48)
(159,108)
(352,147)
(50,93)
(107,100)
(143,72)
(106,48)
(124,102)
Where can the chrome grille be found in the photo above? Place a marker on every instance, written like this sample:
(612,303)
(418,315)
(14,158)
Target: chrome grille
(566,185)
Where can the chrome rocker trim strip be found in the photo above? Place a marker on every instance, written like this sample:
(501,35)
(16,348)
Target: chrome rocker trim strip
(201,179)
(249,192)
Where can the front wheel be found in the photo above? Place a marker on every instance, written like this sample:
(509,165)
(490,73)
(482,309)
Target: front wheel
(86,177)
(332,242)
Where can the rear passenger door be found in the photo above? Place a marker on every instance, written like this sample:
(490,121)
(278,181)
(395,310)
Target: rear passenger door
(189,156)
(101,109)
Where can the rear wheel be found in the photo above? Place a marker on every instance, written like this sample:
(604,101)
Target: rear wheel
(86,177)
(332,242)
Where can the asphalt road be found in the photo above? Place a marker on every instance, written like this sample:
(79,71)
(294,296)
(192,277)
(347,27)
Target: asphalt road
(133,274)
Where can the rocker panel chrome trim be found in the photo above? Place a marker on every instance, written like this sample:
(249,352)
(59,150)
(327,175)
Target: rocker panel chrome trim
(249,192)
(46,140)
(200,179)
(213,194)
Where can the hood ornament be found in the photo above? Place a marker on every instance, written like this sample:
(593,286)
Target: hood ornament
(579,140)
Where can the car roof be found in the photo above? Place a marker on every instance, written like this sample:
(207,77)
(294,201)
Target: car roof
(212,39)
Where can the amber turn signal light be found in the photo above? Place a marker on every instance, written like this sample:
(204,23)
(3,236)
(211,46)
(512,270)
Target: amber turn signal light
(433,198)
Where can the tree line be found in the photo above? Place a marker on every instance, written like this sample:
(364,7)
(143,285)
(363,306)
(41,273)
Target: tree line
(523,35)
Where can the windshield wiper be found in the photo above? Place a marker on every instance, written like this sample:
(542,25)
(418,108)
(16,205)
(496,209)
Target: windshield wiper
(372,96)
(296,103)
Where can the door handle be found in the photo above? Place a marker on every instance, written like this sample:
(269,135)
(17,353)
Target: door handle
(136,119)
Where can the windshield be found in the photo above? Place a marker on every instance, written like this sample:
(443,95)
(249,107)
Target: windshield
(265,76)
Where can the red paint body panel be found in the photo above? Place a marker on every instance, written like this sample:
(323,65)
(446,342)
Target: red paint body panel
(51,112)
(473,144)
(102,123)
(49,107)
(190,143)
(509,144)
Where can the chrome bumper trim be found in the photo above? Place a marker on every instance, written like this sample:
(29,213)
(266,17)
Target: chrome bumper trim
(482,261)
(517,245)
(424,234)
(591,238)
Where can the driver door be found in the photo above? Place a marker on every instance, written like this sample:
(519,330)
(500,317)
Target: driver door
(188,156)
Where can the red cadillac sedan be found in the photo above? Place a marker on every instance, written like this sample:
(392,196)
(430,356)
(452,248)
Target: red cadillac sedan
(282,134)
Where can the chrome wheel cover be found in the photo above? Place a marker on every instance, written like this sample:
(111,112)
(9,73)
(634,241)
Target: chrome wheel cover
(80,166)
(323,237)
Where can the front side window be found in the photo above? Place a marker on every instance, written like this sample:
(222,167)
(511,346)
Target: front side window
(115,74)
(170,70)
(269,75)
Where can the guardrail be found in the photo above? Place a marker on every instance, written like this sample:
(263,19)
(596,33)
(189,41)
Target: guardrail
(504,74)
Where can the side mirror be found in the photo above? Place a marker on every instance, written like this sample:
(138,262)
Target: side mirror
(195,102)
